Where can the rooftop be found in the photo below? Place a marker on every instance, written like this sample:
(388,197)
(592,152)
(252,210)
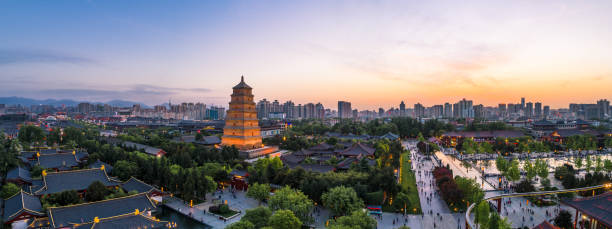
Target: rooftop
(73,180)
(19,203)
(598,207)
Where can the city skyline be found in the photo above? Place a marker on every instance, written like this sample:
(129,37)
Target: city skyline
(488,52)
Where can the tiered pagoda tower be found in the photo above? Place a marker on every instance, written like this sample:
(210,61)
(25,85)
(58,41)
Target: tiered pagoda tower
(241,124)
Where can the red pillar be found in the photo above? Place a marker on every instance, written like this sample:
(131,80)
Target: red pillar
(576,219)
(499,205)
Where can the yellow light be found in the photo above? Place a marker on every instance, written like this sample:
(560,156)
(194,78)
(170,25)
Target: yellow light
(137,212)
(102,167)
(44,173)
(96,220)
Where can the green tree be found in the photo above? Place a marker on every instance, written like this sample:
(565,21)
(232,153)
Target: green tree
(284,219)
(259,216)
(502,164)
(96,191)
(342,200)
(513,173)
(242,224)
(578,162)
(125,169)
(608,166)
(287,198)
(8,154)
(8,190)
(31,134)
(470,188)
(529,170)
(588,165)
(482,214)
(541,168)
(599,165)
(357,219)
(260,192)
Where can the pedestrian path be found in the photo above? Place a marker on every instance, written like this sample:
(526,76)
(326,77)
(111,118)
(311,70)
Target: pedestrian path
(458,169)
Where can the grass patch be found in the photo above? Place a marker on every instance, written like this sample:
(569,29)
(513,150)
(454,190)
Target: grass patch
(408,184)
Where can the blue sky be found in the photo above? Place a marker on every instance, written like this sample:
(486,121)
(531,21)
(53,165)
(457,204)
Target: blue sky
(373,53)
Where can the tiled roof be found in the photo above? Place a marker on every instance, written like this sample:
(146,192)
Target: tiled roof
(73,180)
(546,225)
(85,213)
(211,140)
(358,149)
(134,184)
(98,164)
(19,173)
(390,136)
(321,147)
(57,160)
(486,134)
(242,84)
(20,202)
(313,167)
(291,158)
(599,207)
(129,220)
(147,149)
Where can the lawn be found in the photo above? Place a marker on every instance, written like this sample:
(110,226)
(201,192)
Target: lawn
(408,182)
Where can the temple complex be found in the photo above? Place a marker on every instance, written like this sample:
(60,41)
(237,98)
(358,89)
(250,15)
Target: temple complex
(241,124)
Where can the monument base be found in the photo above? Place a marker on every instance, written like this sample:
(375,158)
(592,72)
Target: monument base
(253,153)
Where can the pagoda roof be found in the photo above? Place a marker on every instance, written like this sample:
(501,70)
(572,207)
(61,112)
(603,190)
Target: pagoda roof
(321,147)
(98,164)
(19,173)
(358,150)
(57,160)
(390,136)
(86,213)
(73,180)
(21,202)
(134,184)
(598,207)
(242,84)
(129,220)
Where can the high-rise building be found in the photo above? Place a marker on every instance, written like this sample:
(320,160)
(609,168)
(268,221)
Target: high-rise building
(309,111)
(478,111)
(437,111)
(419,110)
(546,112)
(604,108)
(344,109)
(381,112)
(288,108)
(523,103)
(402,108)
(448,110)
(355,114)
(538,110)
(241,124)
(502,110)
(464,109)
(529,109)
(263,109)
(319,111)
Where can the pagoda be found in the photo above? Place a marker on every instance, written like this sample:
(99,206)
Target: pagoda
(241,124)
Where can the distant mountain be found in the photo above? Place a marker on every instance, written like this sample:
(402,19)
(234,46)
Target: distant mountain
(68,102)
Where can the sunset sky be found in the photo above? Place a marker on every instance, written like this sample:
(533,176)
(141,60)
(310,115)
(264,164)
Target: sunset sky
(372,53)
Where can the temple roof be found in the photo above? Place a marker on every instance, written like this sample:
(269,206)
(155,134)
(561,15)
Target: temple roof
(134,184)
(129,220)
(242,84)
(98,164)
(147,149)
(57,160)
(73,180)
(598,207)
(20,202)
(546,225)
(390,136)
(358,150)
(86,212)
(19,173)
(322,146)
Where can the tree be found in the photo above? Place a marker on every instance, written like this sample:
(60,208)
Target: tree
(260,192)
(502,164)
(357,219)
(8,190)
(471,190)
(529,170)
(598,164)
(284,219)
(125,169)
(578,162)
(564,220)
(241,225)
(342,200)
(588,164)
(608,165)
(259,216)
(31,134)
(482,214)
(541,169)
(96,191)
(287,198)
(8,154)
(513,173)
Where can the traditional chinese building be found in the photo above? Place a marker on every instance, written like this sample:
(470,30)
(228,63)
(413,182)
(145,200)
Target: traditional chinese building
(241,124)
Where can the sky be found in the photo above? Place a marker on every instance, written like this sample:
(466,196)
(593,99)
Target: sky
(371,53)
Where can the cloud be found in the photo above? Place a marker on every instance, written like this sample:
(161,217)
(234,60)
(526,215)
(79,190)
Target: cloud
(11,56)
